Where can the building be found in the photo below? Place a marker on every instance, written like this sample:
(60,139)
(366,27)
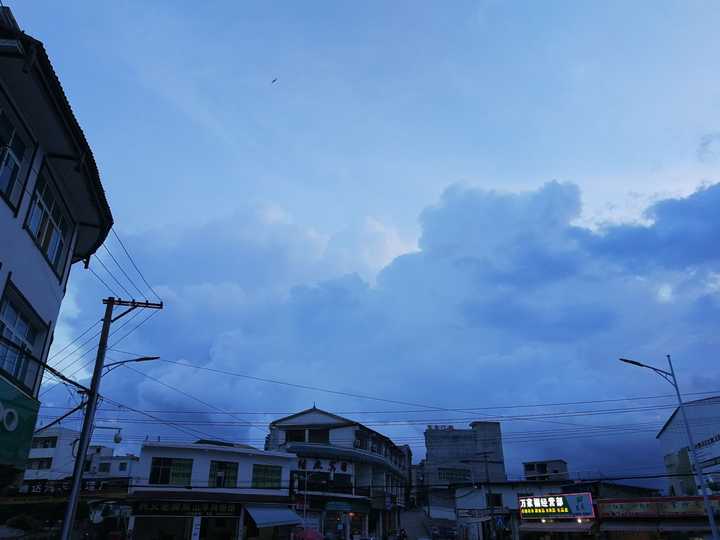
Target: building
(553,469)
(348,480)
(53,213)
(51,454)
(456,457)
(210,489)
(702,416)
(464,455)
(101,462)
(534,508)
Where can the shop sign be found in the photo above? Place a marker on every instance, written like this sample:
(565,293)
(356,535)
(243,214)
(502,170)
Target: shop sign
(562,505)
(87,487)
(652,508)
(172,508)
(18,414)
(338,506)
(327,465)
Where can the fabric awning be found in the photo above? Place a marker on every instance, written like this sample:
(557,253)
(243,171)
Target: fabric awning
(272,516)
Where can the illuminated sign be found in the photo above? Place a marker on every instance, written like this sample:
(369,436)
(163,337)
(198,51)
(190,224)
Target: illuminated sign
(561,505)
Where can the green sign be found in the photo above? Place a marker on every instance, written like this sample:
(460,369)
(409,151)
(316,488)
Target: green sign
(18,414)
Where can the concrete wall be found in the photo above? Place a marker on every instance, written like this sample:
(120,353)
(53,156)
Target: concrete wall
(202,455)
(63,460)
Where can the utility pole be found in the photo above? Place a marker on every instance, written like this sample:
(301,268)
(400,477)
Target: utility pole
(91,404)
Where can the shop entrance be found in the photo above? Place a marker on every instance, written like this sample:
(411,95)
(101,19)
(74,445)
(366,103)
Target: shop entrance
(162,528)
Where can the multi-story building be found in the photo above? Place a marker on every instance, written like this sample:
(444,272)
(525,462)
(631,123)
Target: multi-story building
(51,454)
(702,416)
(550,469)
(101,462)
(210,489)
(53,213)
(348,480)
(463,455)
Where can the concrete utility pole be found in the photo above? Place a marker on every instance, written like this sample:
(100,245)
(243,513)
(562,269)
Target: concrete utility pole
(669,376)
(91,404)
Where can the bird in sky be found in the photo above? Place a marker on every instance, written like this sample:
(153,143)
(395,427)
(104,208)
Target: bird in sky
(274,80)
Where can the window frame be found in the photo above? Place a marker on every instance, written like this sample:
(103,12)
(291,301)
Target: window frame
(40,442)
(104,467)
(225,465)
(13,294)
(168,466)
(46,173)
(25,171)
(258,482)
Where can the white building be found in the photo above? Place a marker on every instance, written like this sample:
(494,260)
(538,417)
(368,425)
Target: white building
(348,480)
(703,417)
(51,454)
(53,213)
(211,489)
(549,469)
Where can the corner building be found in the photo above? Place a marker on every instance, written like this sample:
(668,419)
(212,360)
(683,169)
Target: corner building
(53,213)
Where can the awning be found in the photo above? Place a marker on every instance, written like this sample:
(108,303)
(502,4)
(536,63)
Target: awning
(272,516)
(537,526)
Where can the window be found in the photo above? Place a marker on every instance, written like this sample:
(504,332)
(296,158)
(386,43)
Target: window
(295,435)
(20,338)
(86,466)
(493,499)
(542,468)
(171,471)
(49,224)
(104,467)
(320,436)
(39,464)
(44,442)
(223,474)
(454,475)
(529,466)
(123,466)
(12,153)
(266,476)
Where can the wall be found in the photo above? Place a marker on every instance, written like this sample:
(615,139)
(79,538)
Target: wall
(201,457)
(62,455)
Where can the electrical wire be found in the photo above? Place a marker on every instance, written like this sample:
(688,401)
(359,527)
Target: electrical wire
(142,294)
(132,261)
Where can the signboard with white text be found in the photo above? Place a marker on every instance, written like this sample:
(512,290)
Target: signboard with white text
(560,505)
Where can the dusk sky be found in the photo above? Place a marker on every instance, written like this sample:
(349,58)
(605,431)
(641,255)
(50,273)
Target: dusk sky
(452,206)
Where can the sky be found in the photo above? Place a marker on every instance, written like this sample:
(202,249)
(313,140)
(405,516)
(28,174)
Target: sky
(457,208)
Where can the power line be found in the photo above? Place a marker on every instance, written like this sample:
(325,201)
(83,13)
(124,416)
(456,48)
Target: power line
(124,272)
(98,259)
(101,280)
(132,261)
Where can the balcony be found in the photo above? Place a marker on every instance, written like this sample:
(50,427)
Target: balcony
(18,365)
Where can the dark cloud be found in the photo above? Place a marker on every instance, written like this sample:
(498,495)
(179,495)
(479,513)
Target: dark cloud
(507,302)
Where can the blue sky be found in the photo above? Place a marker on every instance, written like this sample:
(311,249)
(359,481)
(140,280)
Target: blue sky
(458,204)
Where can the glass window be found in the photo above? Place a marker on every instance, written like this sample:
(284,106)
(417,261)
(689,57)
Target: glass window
(171,471)
(320,436)
(12,153)
(223,474)
(49,223)
(44,442)
(266,476)
(123,466)
(295,435)
(493,499)
(454,475)
(104,467)
(39,463)
(18,343)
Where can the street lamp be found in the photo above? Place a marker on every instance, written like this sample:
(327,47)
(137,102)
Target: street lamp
(113,365)
(669,376)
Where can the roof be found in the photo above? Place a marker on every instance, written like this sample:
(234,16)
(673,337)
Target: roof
(42,60)
(342,422)
(239,449)
(690,403)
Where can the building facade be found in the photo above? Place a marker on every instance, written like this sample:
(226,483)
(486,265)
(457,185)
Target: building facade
(551,469)
(51,454)
(208,490)
(53,213)
(702,416)
(348,481)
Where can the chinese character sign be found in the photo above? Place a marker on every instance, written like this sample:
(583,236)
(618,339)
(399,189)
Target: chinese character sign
(561,505)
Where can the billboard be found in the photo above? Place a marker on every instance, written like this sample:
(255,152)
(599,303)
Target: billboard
(560,505)
(18,413)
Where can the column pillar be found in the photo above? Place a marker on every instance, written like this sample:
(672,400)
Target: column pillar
(195,531)
(241,525)
(130,527)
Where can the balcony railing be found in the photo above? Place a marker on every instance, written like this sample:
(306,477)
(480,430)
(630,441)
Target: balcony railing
(18,365)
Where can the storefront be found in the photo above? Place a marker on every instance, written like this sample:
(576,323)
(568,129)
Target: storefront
(210,520)
(333,518)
